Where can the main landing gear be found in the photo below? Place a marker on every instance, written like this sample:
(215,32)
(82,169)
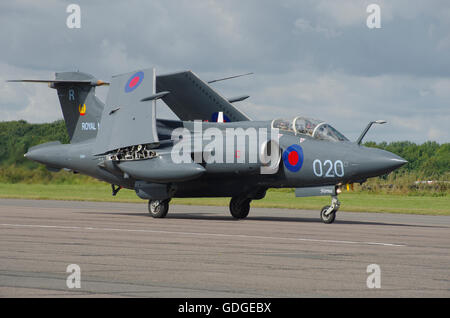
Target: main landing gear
(158,208)
(328,212)
(240,207)
(240,204)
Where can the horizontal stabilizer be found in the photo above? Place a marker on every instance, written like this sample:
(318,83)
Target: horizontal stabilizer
(50,82)
(80,107)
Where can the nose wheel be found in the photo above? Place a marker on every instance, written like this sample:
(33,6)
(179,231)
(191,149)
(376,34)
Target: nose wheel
(328,212)
(158,208)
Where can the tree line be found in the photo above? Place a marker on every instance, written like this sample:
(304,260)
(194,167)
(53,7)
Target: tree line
(429,160)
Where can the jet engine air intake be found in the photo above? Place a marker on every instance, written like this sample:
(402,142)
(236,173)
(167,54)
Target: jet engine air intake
(270,157)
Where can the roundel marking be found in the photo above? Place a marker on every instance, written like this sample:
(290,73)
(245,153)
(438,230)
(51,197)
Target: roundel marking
(134,81)
(215,116)
(293,158)
(82,109)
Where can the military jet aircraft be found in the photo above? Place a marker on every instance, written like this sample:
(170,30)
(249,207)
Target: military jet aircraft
(214,150)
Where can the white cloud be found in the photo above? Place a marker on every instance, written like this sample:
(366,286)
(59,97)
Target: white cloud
(302,25)
(344,12)
(441,88)
(350,101)
(313,58)
(31,102)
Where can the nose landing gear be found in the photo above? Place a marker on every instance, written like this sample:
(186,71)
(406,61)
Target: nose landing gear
(328,212)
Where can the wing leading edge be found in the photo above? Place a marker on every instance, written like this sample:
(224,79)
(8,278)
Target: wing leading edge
(191,98)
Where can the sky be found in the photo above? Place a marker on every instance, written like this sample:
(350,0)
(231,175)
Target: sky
(312,58)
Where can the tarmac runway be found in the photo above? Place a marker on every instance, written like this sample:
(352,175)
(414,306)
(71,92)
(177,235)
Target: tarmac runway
(201,251)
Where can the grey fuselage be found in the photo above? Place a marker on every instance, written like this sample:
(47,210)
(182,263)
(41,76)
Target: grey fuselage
(324,163)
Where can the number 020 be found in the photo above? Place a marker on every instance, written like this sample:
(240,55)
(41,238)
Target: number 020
(331,170)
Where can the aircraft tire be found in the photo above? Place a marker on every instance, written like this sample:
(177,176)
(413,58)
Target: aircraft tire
(158,208)
(327,219)
(239,207)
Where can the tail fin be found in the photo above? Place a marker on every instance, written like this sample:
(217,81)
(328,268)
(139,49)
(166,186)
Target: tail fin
(81,109)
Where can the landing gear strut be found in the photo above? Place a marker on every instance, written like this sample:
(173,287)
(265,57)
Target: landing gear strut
(115,189)
(158,208)
(240,207)
(328,212)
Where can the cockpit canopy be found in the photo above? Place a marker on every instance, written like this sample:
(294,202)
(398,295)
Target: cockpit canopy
(311,127)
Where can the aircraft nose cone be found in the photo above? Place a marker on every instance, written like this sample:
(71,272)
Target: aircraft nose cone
(376,162)
(393,161)
(384,162)
(36,155)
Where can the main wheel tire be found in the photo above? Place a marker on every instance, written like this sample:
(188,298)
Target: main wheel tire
(158,208)
(239,207)
(328,219)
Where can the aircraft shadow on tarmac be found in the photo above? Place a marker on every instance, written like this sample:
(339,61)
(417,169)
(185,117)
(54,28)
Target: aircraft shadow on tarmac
(210,217)
(205,216)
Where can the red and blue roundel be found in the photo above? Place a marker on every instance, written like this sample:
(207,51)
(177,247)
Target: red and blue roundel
(215,116)
(134,81)
(293,158)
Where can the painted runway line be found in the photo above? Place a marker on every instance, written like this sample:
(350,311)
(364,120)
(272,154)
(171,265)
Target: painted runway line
(81,228)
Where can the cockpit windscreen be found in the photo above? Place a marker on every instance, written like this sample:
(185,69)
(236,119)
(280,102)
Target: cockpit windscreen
(311,127)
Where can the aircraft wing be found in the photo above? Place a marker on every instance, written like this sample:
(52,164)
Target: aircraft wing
(191,98)
(128,118)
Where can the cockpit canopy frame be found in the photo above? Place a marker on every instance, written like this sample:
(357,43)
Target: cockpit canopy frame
(314,128)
